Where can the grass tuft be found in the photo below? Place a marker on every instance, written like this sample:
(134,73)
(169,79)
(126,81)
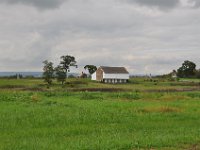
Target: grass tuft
(91,96)
(127,95)
(35,98)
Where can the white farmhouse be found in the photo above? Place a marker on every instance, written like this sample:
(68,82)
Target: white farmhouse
(111,75)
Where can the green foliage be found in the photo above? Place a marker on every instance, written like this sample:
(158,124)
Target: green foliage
(91,68)
(48,72)
(60,71)
(67,62)
(60,74)
(187,69)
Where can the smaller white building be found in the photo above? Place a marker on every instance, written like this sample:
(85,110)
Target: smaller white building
(94,76)
(111,75)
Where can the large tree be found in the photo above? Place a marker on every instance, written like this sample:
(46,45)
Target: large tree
(67,62)
(48,72)
(91,68)
(187,69)
(60,74)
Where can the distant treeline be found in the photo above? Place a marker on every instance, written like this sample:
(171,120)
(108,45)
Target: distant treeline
(187,70)
(19,76)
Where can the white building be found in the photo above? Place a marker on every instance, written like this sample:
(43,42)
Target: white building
(111,75)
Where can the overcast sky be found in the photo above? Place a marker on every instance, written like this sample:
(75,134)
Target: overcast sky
(146,36)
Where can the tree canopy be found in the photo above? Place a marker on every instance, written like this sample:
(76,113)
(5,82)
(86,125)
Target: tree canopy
(188,69)
(60,74)
(48,71)
(67,62)
(91,68)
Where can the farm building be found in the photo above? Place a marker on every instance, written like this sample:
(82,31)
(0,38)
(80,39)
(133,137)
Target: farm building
(111,75)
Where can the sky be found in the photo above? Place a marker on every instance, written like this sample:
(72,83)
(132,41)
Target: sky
(145,36)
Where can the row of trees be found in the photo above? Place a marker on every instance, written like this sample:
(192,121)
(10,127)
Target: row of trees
(61,71)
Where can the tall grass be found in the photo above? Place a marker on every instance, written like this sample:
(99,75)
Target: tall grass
(33,117)
(88,120)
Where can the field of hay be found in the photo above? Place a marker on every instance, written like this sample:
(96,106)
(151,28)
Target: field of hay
(85,115)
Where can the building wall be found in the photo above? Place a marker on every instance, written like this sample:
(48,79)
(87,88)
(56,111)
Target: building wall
(116,76)
(94,76)
(99,74)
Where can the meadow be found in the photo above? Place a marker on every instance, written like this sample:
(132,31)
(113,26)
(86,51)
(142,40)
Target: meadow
(86,115)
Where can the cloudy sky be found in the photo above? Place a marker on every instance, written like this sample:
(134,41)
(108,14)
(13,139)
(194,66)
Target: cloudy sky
(146,36)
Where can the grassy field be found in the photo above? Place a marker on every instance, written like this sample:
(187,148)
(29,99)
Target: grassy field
(142,114)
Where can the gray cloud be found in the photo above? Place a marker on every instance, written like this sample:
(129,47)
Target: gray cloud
(102,32)
(162,4)
(41,4)
(195,2)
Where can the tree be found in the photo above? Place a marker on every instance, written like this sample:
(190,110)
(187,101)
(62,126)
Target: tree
(67,62)
(91,68)
(60,74)
(187,69)
(48,72)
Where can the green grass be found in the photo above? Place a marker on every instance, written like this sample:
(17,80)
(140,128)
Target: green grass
(57,119)
(189,80)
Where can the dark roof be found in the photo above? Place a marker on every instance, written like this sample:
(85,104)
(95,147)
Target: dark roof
(120,70)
